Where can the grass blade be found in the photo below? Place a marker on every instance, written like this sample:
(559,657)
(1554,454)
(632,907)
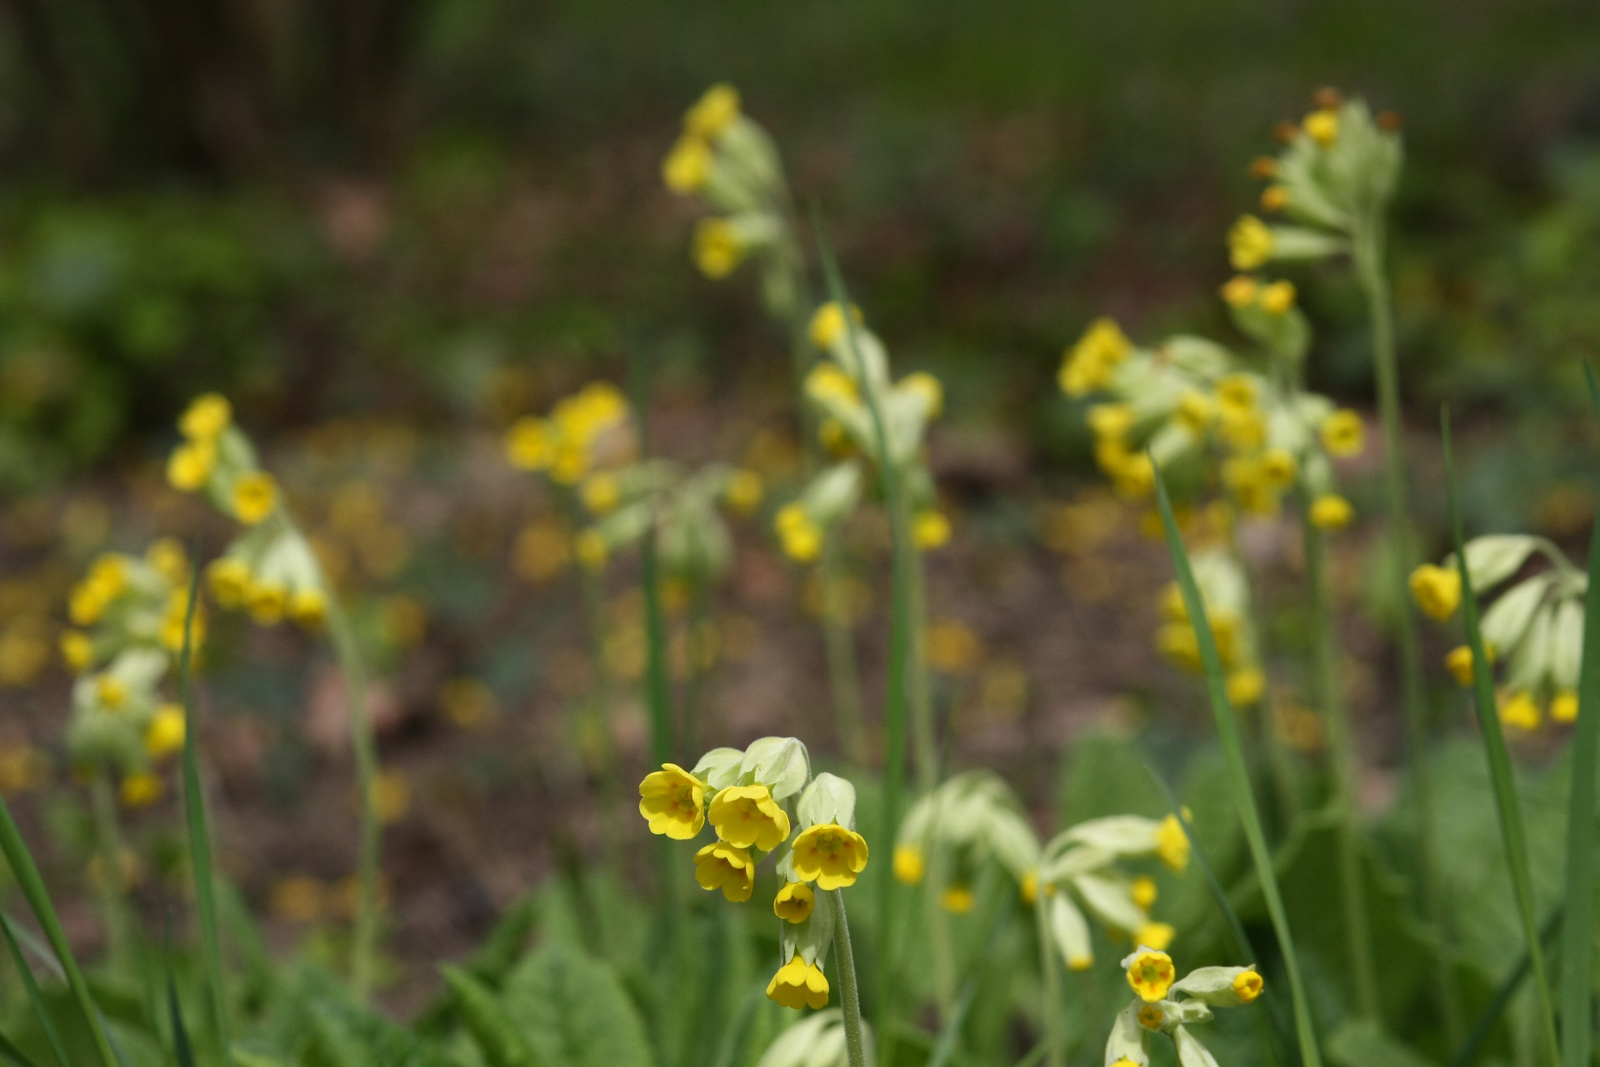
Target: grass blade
(194,807)
(1494,743)
(1577,955)
(896,694)
(35,999)
(1239,776)
(182,1049)
(32,886)
(12,1054)
(1473,1044)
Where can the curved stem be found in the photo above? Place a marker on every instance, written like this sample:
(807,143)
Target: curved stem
(365,941)
(849,996)
(1368,253)
(1341,745)
(1050,997)
(108,836)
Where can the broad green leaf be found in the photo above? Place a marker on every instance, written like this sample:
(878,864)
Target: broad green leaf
(493,1030)
(573,1012)
(1363,1043)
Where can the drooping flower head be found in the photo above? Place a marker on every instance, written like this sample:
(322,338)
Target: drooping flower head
(794,902)
(799,984)
(1172,844)
(673,800)
(720,865)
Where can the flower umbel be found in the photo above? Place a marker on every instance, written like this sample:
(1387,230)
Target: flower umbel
(746,815)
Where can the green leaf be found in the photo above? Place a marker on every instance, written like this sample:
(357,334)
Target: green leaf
(1239,776)
(35,999)
(493,1030)
(573,1012)
(1494,743)
(346,1035)
(1363,1043)
(12,1053)
(183,1050)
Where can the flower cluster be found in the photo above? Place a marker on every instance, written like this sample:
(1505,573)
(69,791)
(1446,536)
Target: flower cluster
(682,506)
(727,160)
(1157,1007)
(854,365)
(764,800)
(1080,866)
(1225,589)
(1336,172)
(128,614)
(970,819)
(269,569)
(583,432)
(1535,625)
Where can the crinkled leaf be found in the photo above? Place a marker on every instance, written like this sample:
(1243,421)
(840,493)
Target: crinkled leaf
(573,1012)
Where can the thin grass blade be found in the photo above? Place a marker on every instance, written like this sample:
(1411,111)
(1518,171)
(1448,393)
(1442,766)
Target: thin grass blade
(1473,1043)
(1577,953)
(897,692)
(183,1049)
(194,807)
(1494,743)
(35,998)
(1239,777)
(33,890)
(12,1054)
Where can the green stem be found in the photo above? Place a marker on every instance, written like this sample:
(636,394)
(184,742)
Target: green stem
(1368,253)
(838,637)
(1341,745)
(597,717)
(1050,996)
(849,997)
(918,689)
(364,945)
(108,839)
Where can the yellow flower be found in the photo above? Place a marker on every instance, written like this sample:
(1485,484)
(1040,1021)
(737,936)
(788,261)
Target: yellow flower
(827,326)
(167,556)
(1277,298)
(165,734)
(86,604)
(140,790)
(1247,986)
(1172,844)
(673,800)
(952,647)
(718,249)
(190,465)
(590,549)
(1028,888)
(927,386)
(1519,712)
(1156,935)
(205,417)
(930,530)
(1088,364)
(830,855)
(1264,167)
(1150,974)
(267,602)
(1564,708)
(1437,590)
(1322,126)
(794,902)
(229,579)
(828,382)
(1150,1017)
(1193,412)
(723,866)
(745,815)
(1249,243)
(687,166)
(957,900)
(529,445)
(1330,511)
(799,984)
(1143,889)
(1245,686)
(744,491)
(1274,198)
(309,608)
(255,495)
(111,692)
(714,112)
(909,864)
(801,542)
(1278,468)
(1237,393)
(1240,291)
(1134,477)
(1459,662)
(1343,433)
(601,492)
(77,651)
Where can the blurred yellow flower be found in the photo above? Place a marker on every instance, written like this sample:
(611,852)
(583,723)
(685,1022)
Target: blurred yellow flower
(255,495)
(1144,892)
(140,789)
(600,492)
(1564,707)
(1156,935)
(1330,511)
(528,444)
(718,248)
(687,165)
(1240,291)
(591,550)
(543,549)
(744,491)
(1322,126)
(1519,711)
(1437,590)
(909,864)
(1343,433)
(957,899)
(205,417)
(1274,198)
(77,651)
(930,530)
(953,647)
(1172,844)
(1249,243)
(1277,298)
(229,579)
(165,734)
(714,112)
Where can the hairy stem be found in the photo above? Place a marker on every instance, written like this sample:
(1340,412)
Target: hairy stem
(849,997)
(1050,993)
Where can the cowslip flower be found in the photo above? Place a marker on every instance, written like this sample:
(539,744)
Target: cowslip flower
(205,417)
(1343,433)
(794,902)
(1330,511)
(799,984)
(1172,844)
(746,815)
(909,864)
(1437,590)
(1150,973)
(165,734)
(722,866)
(1250,243)
(255,495)
(830,855)
(673,800)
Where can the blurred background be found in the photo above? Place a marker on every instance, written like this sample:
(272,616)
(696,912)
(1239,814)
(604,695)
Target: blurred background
(387,229)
